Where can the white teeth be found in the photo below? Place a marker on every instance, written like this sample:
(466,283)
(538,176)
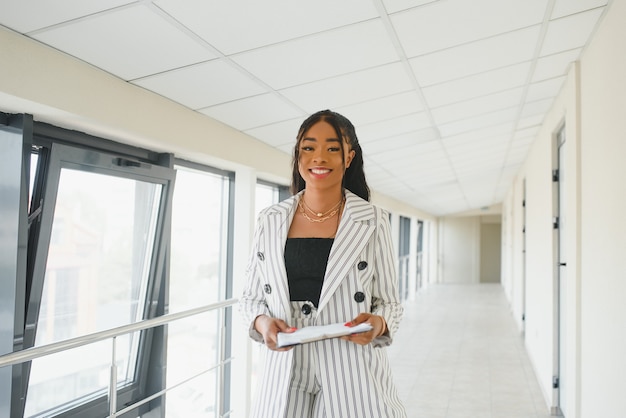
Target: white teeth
(319,170)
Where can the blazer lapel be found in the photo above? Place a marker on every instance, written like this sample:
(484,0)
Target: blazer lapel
(354,231)
(278,222)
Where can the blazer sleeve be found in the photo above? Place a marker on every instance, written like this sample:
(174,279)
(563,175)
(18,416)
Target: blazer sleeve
(252,302)
(385,296)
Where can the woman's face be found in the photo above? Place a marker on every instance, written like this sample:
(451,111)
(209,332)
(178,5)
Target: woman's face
(321,162)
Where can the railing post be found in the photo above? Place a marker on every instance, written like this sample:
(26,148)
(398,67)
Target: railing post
(113,381)
(220,370)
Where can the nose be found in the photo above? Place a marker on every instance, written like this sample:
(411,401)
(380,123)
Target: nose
(319,155)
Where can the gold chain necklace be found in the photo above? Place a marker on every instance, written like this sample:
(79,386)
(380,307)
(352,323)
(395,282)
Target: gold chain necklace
(320,214)
(332,213)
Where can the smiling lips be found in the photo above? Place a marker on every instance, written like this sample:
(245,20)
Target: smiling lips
(320,171)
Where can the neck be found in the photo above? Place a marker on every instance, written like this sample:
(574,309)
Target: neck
(320,200)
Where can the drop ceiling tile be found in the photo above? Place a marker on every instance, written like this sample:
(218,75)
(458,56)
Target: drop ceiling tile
(569,7)
(470,174)
(479,156)
(570,32)
(393,6)
(422,152)
(499,117)
(526,133)
(131,50)
(516,157)
(468,170)
(476,57)
(398,142)
(260,110)
(377,110)
(554,65)
(429,180)
(447,190)
(378,184)
(533,121)
(478,161)
(351,88)
(477,85)
(307,59)
(544,89)
(376,171)
(539,107)
(519,150)
(477,106)
(281,135)
(233,27)
(394,188)
(392,127)
(481,187)
(445,24)
(202,85)
(27,16)
(521,142)
(491,133)
(482,199)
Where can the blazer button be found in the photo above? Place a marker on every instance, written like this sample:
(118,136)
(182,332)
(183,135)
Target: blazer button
(267,289)
(362,265)
(260,255)
(359,297)
(306,309)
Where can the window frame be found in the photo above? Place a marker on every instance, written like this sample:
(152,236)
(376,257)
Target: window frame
(133,163)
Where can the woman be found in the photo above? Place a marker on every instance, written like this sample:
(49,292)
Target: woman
(324,256)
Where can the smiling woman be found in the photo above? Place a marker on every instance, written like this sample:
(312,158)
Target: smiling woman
(333,265)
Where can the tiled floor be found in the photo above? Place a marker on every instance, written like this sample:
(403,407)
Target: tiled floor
(458,354)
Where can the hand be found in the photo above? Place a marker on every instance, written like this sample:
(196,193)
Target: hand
(379,327)
(268,327)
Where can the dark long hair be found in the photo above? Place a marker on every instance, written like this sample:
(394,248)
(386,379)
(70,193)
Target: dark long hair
(354,176)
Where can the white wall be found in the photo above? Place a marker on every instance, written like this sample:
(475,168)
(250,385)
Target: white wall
(603,219)
(533,282)
(592,105)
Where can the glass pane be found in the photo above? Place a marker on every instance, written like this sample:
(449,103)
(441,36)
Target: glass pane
(192,351)
(199,227)
(34,160)
(96,275)
(265,196)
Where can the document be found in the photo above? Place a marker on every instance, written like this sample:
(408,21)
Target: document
(319,332)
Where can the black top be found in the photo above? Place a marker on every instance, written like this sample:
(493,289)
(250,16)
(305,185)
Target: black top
(305,261)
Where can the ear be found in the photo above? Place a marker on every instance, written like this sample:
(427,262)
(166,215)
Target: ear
(350,157)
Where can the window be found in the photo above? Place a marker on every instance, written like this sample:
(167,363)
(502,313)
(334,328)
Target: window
(93,269)
(404,256)
(113,239)
(95,278)
(419,257)
(197,277)
(266,195)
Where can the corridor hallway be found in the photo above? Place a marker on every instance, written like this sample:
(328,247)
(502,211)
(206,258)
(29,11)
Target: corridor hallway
(458,354)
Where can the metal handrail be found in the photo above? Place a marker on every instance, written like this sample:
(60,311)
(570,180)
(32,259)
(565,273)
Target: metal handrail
(29,354)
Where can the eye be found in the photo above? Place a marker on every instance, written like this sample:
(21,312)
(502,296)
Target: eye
(334,149)
(306,148)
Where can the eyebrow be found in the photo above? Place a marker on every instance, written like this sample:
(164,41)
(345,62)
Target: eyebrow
(315,140)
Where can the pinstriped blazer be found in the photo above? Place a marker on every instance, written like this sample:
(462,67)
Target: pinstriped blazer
(361,261)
